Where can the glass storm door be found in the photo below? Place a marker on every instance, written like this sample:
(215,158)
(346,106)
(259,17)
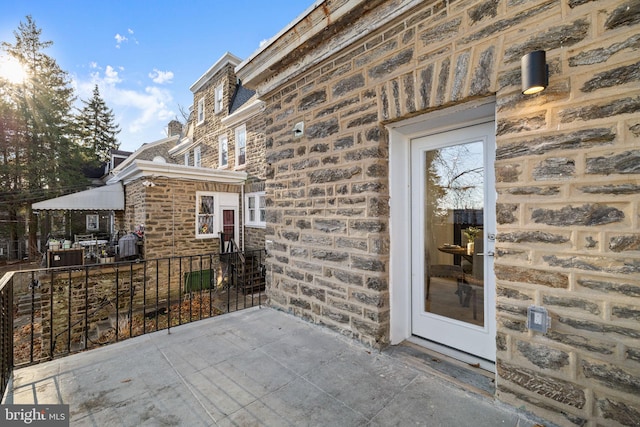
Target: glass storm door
(453,228)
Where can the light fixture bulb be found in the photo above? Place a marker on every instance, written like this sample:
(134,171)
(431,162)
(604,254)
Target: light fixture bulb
(533,90)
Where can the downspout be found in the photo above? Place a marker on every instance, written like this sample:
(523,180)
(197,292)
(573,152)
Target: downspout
(241,219)
(173,220)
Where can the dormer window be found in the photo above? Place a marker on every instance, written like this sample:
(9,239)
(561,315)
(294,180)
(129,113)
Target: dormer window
(201,111)
(186,158)
(219,100)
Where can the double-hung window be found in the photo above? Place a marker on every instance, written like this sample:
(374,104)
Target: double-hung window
(241,145)
(197,157)
(223,160)
(201,111)
(219,94)
(255,211)
(186,158)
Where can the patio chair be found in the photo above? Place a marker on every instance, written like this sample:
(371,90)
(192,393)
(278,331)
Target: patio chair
(88,242)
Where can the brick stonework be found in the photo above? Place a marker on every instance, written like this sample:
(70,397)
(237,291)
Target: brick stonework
(167,211)
(568,185)
(167,208)
(206,135)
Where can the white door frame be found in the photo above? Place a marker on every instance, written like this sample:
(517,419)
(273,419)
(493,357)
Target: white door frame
(400,135)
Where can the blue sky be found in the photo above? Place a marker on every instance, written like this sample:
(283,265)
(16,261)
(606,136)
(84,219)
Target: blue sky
(144,55)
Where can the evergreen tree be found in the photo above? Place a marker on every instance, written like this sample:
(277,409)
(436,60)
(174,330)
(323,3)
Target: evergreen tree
(96,127)
(40,159)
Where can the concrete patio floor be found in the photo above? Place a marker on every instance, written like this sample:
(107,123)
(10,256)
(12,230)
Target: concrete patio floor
(253,367)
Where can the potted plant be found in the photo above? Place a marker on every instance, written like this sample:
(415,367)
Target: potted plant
(107,256)
(471,233)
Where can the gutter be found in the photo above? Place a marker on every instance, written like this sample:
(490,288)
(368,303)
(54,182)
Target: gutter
(313,37)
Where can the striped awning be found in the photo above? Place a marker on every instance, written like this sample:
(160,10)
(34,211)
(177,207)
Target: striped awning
(106,198)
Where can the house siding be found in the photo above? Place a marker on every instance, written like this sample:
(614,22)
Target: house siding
(169,216)
(567,177)
(206,134)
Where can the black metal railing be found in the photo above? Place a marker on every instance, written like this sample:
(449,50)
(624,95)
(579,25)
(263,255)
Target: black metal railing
(51,313)
(6,330)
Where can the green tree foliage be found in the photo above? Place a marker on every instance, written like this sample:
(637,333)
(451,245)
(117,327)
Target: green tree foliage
(96,127)
(38,156)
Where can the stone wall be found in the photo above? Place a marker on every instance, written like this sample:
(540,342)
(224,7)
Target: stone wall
(206,134)
(170,217)
(134,200)
(568,180)
(256,150)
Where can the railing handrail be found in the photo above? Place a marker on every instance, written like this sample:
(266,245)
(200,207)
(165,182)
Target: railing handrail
(232,245)
(127,262)
(6,278)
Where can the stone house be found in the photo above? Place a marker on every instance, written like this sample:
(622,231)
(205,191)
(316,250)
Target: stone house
(414,192)
(200,181)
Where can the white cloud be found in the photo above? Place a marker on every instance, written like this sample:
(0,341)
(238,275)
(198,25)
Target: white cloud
(142,113)
(161,77)
(130,31)
(111,76)
(119,40)
(93,64)
(152,105)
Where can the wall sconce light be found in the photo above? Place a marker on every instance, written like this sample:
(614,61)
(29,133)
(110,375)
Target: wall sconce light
(535,72)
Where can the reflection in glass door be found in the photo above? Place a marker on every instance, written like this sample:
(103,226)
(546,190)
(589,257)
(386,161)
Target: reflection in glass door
(453,208)
(453,224)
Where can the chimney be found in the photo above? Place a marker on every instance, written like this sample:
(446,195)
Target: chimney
(174,128)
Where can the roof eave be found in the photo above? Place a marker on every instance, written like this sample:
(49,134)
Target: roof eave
(227,58)
(140,150)
(243,113)
(263,70)
(149,169)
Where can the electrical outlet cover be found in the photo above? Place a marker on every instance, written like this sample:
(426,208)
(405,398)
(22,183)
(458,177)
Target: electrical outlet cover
(538,319)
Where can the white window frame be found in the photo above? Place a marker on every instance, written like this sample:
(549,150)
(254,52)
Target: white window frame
(212,227)
(197,157)
(219,98)
(186,158)
(220,201)
(255,213)
(223,148)
(241,135)
(93,222)
(201,111)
